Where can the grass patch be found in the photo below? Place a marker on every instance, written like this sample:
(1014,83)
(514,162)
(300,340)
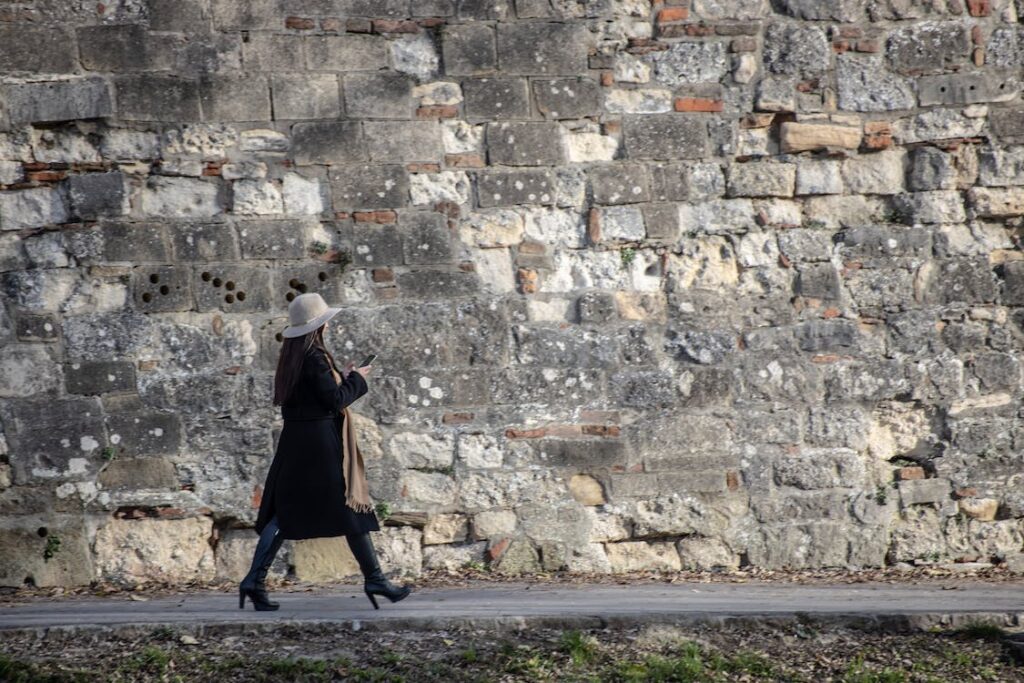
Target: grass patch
(581,648)
(980,630)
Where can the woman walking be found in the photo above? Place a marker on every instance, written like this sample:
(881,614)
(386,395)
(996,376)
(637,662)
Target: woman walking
(316,485)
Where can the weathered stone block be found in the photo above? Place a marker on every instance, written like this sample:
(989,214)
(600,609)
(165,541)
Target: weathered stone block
(166,550)
(916,492)
(391,141)
(124,47)
(636,556)
(469,49)
(119,242)
(665,136)
(425,238)
(543,48)
(71,565)
(567,98)
(36,49)
(928,46)
(525,144)
(204,242)
(33,208)
(1013,283)
(690,62)
(761,180)
(306,96)
(148,97)
(968,280)
(270,239)
(1008,124)
(291,280)
(445,529)
(170,197)
(961,89)
(619,183)
(865,85)
(931,169)
(496,98)
(617,223)
(334,142)
(86,98)
(880,173)
(424,283)
(661,221)
(996,202)
(796,50)
(97,195)
(379,95)
(361,186)
(508,188)
(235,98)
(347,53)
(941,206)
(134,473)
(706,554)
(376,245)
(255,14)
(827,10)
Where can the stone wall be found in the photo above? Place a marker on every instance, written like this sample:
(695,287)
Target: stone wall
(685,285)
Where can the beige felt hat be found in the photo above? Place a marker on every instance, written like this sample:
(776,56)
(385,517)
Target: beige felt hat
(307,312)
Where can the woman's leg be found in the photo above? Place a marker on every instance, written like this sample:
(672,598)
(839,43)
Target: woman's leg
(254,584)
(375,583)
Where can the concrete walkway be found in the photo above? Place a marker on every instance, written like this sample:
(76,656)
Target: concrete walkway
(511,606)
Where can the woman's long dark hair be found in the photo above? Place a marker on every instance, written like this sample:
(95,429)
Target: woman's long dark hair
(289,362)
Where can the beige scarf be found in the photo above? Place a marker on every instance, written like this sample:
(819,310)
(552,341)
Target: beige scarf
(357,491)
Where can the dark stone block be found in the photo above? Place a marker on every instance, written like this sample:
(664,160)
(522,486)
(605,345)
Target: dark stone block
(235,98)
(1013,283)
(37,327)
(207,54)
(884,242)
(391,141)
(1008,125)
(312,96)
(145,434)
(232,287)
(515,387)
(571,347)
(429,284)
(124,48)
(665,136)
(543,48)
(97,195)
(930,46)
(162,288)
(931,169)
(496,10)
(619,183)
(996,371)
(36,49)
(567,98)
(468,49)
(508,188)
(823,10)
(181,16)
(372,8)
(204,242)
(232,15)
(706,386)
(582,453)
(130,474)
(525,144)
(47,101)
(101,377)
(961,89)
(818,281)
(157,98)
(379,95)
(596,307)
(796,50)
(376,245)
(707,347)
(119,243)
(496,98)
(425,238)
(661,221)
(347,53)
(964,280)
(272,239)
(328,143)
(826,335)
(360,186)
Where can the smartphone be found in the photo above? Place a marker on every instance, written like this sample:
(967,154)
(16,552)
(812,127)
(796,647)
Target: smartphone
(369,359)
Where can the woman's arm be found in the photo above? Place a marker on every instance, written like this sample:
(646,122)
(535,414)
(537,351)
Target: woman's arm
(332,395)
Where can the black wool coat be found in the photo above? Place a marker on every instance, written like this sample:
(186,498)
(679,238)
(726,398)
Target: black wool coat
(305,486)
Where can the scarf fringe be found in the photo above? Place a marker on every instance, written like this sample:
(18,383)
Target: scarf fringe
(359,507)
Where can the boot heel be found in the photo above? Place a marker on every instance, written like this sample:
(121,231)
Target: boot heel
(373,600)
(241,599)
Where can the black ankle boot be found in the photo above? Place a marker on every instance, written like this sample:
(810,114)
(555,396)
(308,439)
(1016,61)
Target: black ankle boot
(254,584)
(375,583)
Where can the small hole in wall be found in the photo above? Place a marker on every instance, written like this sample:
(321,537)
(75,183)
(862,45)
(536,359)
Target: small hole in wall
(229,285)
(322,276)
(289,296)
(206,277)
(302,287)
(230,298)
(293,283)
(216,282)
(279,337)
(972,87)
(30,581)
(1002,86)
(43,532)
(147,297)
(154,278)
(942,89)
(165,290)
(240,295)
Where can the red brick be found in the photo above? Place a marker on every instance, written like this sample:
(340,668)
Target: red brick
(525,433)
(359,26)
(467,266)
(431,22)
(966,492)
(830,313)
(527,280)
(671,14)
(955,7)
(979,8)
(497,549)
(869,45)
(601,430)
(383,275)
(233,370)
(732,480)
(978,56)
(908,473)
(375,216)
(46,176)
(850,32)
(257,496)
(449,209)
(698,104)
(423,168)
(840,45)
(395,26)
(464,160)
(212,168)
(532,248)
(594,226)
(877,135)
(685,30)
(607,78)
(457,418)
(447,111)
(387,293)
(564,431)
(34,166)
(300,23)
(611,127)
(784,261)
(977,36)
